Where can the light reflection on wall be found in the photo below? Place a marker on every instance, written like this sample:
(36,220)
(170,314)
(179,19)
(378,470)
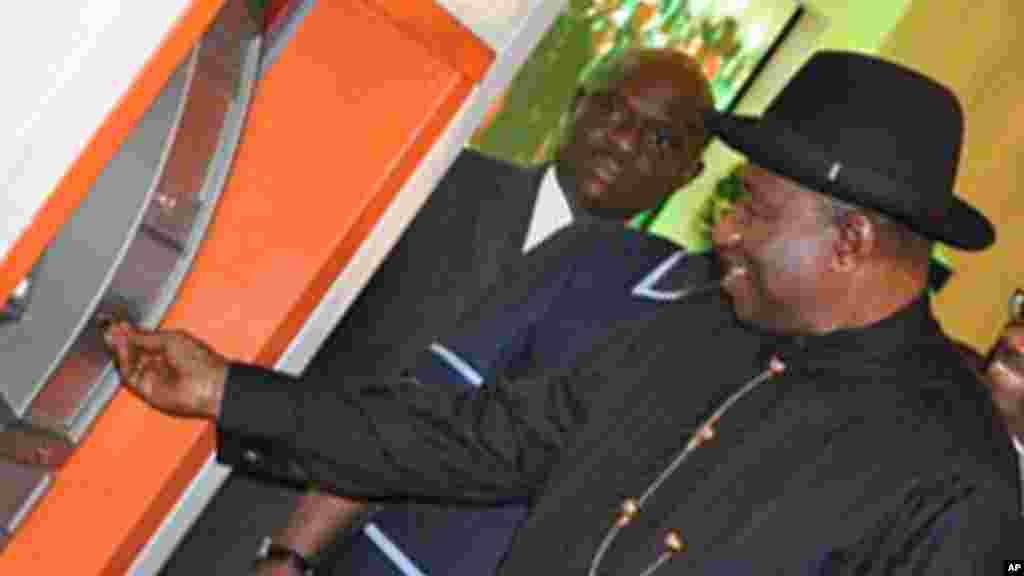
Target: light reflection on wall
(494,21)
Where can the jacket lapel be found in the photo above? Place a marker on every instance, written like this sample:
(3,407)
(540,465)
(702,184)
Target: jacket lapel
(677,276)
(501,228)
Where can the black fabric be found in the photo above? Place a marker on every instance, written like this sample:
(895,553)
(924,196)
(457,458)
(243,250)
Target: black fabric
(473,223)
(870,132)
(875,450)
(569,293)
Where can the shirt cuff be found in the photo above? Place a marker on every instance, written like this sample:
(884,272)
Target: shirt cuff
(259,403)
(1019,445)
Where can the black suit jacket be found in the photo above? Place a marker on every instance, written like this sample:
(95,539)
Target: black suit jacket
(875,452)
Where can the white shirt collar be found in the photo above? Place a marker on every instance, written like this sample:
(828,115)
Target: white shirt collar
(551,212)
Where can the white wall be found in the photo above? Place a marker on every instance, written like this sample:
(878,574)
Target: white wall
(66,65)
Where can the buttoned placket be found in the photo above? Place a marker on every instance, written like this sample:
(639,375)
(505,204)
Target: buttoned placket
(674,542)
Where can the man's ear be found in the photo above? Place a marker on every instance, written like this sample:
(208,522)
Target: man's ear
(856,239)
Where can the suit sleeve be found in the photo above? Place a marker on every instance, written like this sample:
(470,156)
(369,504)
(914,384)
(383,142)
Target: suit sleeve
(401,438)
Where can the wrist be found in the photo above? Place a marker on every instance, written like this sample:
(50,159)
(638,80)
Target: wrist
(213,397)
(271,552)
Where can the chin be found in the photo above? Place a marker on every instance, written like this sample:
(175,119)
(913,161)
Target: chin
(592,193)
(586,201)
(593,206)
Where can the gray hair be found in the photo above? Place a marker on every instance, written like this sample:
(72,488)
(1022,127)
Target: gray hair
(898,237)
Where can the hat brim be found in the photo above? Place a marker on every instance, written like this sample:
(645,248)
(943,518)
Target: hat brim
(776,147)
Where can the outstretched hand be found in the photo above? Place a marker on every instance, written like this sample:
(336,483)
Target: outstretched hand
(172,371)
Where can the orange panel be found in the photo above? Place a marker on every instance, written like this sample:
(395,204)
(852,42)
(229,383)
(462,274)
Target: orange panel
(331,137)
(75,184)
(442,34)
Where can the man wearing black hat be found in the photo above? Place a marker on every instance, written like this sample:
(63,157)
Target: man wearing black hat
(832,430)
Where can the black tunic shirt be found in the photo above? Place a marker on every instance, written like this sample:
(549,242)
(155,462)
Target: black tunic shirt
(875,451)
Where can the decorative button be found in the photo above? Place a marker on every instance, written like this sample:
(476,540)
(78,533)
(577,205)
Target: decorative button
(674,541)
(630,508)
(252,457)
(296,471)
(833,172)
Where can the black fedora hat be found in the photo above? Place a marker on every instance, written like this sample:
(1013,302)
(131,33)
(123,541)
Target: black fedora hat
(871,133)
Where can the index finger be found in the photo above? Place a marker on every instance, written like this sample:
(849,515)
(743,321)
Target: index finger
(128,344)
(122,333)
(125,356)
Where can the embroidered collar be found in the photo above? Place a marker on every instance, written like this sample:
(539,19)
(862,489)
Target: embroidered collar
(908,328)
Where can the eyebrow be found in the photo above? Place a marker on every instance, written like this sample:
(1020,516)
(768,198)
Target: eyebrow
(659,117)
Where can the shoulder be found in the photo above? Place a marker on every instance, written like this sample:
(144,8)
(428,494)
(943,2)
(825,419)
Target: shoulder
(475,191)
(947,421)
(477,184)
(471,163)
(925,421)
(613,237)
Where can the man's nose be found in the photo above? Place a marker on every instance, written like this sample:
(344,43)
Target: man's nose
(726,232)
(624,134)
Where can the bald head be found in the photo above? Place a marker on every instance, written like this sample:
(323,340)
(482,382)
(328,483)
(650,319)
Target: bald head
(668,66)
